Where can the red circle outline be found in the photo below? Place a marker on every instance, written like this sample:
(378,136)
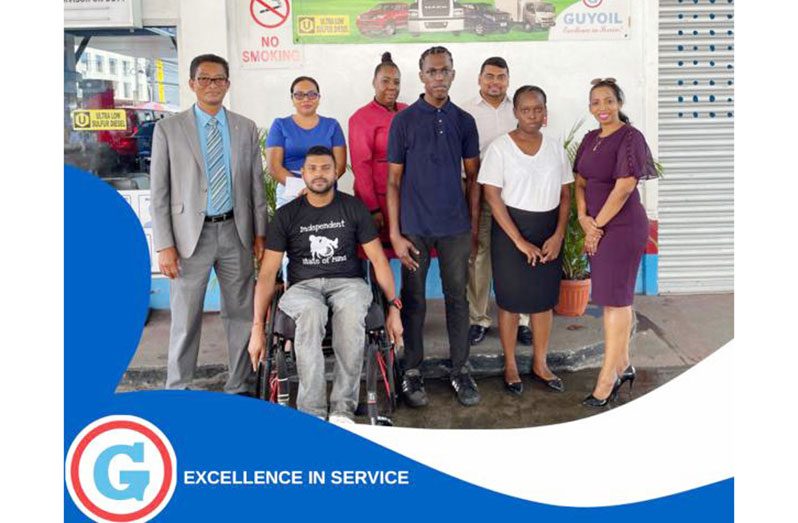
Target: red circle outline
(81,494)
(592,6)
(278,24)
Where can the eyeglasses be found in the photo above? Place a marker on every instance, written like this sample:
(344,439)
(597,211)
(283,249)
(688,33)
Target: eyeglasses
(608,80)
(205,81)
(310,95)
(443,73)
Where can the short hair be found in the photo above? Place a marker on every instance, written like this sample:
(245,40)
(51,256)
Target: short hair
(320,150)
(304,79)
(385,61)
(495,61)
(528,89)
(438,49)
(212,58)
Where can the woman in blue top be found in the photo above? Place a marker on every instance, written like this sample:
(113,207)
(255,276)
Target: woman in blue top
(291,137)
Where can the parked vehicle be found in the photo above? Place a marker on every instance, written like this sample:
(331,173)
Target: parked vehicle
(530,14)
(144,142)
(435,16)
(484,18)
(125,143)
(383,19)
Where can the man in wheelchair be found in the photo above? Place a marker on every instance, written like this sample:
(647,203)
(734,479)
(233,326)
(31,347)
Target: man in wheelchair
(320,232)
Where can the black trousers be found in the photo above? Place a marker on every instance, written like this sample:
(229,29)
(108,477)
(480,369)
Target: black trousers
(453,253)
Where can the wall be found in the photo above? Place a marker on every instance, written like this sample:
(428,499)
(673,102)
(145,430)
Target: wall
(563,69)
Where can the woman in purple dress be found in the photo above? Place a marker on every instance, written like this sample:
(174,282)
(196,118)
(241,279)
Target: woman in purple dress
(609,163)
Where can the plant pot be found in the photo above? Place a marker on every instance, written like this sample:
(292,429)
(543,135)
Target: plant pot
(574,295)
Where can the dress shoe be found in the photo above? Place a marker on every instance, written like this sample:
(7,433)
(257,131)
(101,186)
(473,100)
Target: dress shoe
(629,375)
(514,389)
(555,383)
(476,334)
(524,335)
(592,401)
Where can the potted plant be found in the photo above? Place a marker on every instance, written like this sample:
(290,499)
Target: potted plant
(575,285)
(269,184)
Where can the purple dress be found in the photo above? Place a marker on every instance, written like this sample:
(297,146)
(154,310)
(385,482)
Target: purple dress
(601,161)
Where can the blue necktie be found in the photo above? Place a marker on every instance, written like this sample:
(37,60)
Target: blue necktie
(217,178)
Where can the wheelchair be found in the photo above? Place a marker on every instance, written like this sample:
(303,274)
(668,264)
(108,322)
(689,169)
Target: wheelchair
(277,370)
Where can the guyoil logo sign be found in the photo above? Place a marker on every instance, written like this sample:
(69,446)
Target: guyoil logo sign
(121,469)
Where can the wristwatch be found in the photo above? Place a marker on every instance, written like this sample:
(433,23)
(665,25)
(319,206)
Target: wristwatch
(396,302)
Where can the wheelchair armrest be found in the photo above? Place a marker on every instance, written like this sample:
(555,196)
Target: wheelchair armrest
(375,319)
(284,325)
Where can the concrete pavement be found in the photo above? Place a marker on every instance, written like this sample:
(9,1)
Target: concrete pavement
(671,334)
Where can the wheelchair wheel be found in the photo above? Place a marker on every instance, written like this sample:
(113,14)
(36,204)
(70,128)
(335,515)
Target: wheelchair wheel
(372,361)
(280,387)
(392,375)
(267,378)
(380,379)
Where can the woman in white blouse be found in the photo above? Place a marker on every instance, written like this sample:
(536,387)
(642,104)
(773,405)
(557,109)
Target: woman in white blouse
(525,176)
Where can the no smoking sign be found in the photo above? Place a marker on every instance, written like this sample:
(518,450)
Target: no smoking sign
(270,13)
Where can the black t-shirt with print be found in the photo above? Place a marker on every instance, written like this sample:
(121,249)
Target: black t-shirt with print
(321,242)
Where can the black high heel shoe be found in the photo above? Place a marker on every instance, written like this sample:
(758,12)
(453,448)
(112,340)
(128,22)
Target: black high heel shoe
(629,375)
(592,401)
(555,383)
(514,389)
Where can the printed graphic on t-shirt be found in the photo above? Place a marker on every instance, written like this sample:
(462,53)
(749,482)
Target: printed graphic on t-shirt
(323,248)
(321,242)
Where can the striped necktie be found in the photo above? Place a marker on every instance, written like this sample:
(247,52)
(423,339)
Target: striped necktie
(217,177)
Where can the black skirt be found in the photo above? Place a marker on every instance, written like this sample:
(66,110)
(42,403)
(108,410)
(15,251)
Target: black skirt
(519,286)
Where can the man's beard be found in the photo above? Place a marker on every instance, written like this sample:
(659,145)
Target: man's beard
(326,189)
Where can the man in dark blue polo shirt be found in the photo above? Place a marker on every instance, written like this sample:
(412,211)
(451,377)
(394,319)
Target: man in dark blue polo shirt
(429,145)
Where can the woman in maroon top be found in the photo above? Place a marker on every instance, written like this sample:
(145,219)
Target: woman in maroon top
(609,163)
(368,142)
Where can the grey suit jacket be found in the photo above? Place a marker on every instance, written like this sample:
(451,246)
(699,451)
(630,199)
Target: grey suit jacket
(179,185)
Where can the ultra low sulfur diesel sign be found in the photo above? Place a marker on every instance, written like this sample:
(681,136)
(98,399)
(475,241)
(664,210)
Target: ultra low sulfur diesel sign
(99,120)
(327,21)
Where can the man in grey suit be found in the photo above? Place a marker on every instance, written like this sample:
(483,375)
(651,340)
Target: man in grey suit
(209,210)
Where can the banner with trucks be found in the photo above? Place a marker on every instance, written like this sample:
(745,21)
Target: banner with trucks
(439,21)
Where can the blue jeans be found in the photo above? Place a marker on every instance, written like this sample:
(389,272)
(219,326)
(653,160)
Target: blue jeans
(308,303)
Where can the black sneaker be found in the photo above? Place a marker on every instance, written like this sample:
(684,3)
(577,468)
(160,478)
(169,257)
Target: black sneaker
(413,389)
(466,389)
(476,334)
(524,335)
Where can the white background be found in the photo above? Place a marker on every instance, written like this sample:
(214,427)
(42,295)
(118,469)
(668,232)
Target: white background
(765,348)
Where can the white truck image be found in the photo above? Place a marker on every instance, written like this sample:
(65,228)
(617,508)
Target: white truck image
(530,14)
(435,16)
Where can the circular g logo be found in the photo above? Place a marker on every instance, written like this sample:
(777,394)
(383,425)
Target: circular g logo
(592,3)
(121,469)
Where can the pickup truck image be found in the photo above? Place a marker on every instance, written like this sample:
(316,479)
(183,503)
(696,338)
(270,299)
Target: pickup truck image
(383,19)
(484,18)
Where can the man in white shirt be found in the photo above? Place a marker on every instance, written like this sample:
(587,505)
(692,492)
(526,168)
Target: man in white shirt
(493,111)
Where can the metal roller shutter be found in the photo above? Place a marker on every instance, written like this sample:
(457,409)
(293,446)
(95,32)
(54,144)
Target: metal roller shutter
(696,145)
